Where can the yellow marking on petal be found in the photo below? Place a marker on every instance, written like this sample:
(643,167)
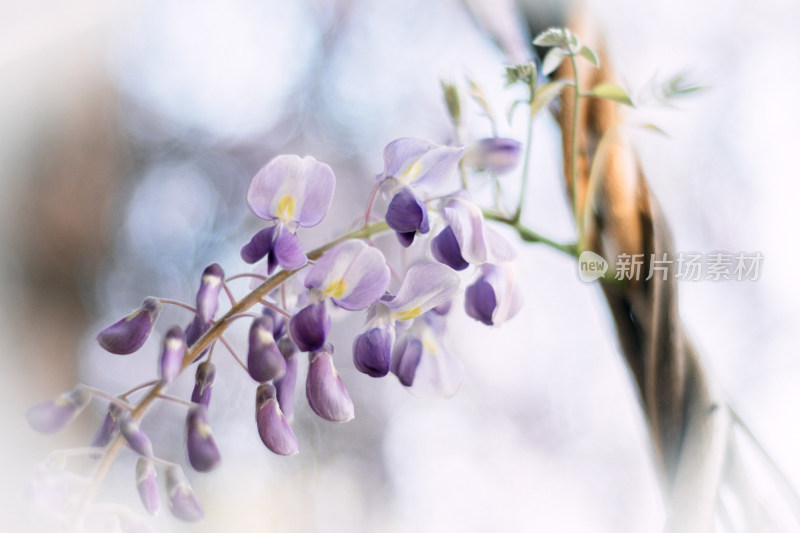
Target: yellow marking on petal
(408,314)
(204,430)
(211,280)
(174,344)
(429,342)
(411,173)
(265,336)
(336,288)
(286,208)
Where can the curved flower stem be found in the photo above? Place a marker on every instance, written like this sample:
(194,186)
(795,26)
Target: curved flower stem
(227,345)
(574,152)
(214,333)
(178,304)
(526,160)
(373,195)
(528,235)
(246,275)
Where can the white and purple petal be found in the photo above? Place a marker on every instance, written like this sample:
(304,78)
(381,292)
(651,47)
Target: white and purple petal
(419,162)
(292,190)
(495,296)
(273,428)
(405,359)
(425,286)
(135,437)
(284,387)
(439,373)
(325,390)
(208,294)
(407,215)
(352,273)
(446,250)
(172,355)
(478,243)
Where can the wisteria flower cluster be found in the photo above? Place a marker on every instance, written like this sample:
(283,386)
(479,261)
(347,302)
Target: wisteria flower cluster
(406,308)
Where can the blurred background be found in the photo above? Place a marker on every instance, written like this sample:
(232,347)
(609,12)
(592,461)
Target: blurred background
(129,132)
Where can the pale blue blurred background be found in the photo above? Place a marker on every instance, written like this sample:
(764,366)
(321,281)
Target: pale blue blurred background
(128,134)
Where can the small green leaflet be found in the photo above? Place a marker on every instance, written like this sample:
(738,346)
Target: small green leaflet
(552,60)
(610,91)
(589,54)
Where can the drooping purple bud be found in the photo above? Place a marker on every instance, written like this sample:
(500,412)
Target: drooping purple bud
(208,294)
(494,297)
(264,360)
(147,486)
(54,415)
(285,386)
(183,503)
(309,327)
(273,428)
(279,245)
(372,351)
(172,355)
(278,322)
(325,390)
(135,437)
(405,360)
(107,429)
(203,453)
(495,154)
(204,382)
(406,215)
(127,335)
(445,249)
(195,330)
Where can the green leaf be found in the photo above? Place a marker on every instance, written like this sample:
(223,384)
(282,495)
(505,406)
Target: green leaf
(561,37)
(589,54)
(547,93)
(610,91)
(552,60)
(655,129)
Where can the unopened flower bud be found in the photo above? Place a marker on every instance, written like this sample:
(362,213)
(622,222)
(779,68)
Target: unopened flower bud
(183,503)
(264,360)
(494,154)
(372,351)
(130,333)
(273,428)
(284,386)
(147,486)
(278,322)
(54,415)
(310,326)
(208,294)
(135,437)
(406,215)
(325,390)
(172,355)
(204,383)
(200,445)
(108,428)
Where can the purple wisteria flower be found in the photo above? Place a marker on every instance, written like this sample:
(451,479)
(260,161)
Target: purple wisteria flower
(284,387)
(411,164)
(425,286)
(325,389)
(422,363)
(495,296)
(128,334)
(135,437)
(172,355)
(204,382)
(201,448)
(54,415)
(207,301)
(265,361)
(353,275)
(467,238)
(147,486)
(182,501)
(273,427)
(294,193)
(108,428)
(494,154)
